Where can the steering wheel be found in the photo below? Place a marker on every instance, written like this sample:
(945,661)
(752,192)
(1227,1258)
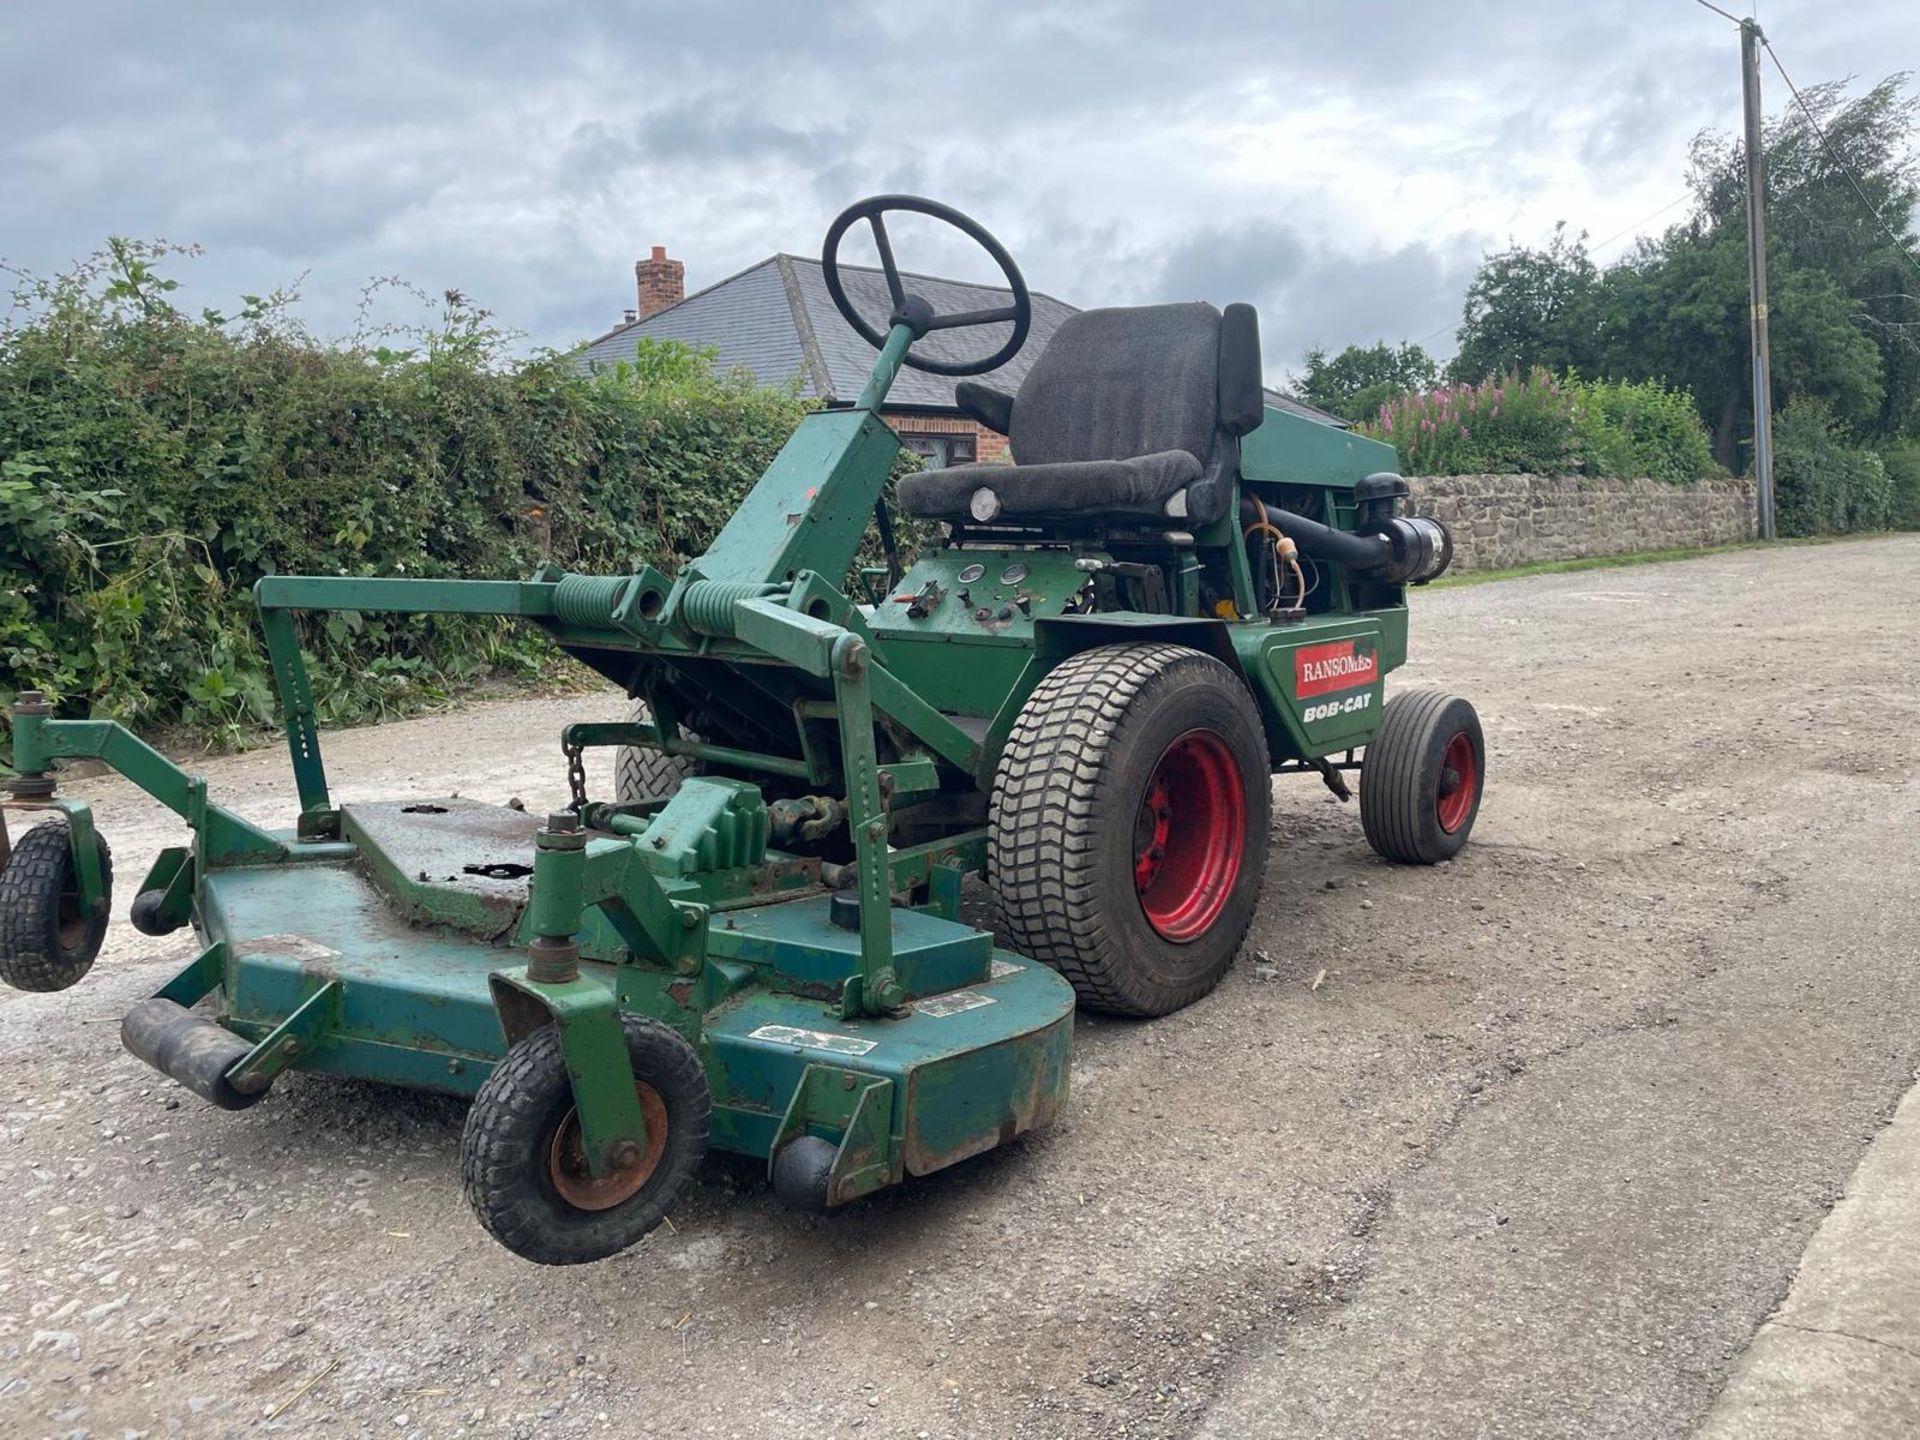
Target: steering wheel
(912,309)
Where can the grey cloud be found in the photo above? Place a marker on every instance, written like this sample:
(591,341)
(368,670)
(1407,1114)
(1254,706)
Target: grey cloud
(526,154)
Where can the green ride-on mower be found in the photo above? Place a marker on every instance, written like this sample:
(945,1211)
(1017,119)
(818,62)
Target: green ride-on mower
(1078,693)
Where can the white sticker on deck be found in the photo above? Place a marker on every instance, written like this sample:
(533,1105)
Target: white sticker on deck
(1000,969)
(952,1003)
(814,1039)
(294,947)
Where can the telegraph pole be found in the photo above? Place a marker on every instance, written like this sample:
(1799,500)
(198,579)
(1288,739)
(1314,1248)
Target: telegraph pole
(1750,39)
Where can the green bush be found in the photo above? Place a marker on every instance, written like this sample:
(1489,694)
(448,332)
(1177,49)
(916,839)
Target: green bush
(1822,485)
(1635,429)
(1545,425)
(1902,460)
(154,465)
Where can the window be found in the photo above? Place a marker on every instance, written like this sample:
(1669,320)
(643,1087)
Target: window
(940,450)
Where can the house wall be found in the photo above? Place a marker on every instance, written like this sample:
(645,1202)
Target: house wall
(988,445)
(1505,520)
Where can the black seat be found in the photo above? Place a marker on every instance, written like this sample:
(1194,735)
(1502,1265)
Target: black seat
(1128,415)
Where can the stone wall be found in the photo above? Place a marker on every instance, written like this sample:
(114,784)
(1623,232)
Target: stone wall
(1505,520)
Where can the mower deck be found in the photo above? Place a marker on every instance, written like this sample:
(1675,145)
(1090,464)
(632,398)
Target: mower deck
(979,1054)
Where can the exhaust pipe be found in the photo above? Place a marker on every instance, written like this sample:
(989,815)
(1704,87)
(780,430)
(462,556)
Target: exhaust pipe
(189,1048)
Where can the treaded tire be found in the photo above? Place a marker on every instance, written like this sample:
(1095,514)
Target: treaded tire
(1062,836)
(46,944)
(1406,807)
(641,773)
(508,1146)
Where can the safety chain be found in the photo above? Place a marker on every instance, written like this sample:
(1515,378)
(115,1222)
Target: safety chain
(576,775)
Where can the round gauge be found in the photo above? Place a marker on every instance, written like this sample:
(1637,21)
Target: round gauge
(971,573)
(1014,573)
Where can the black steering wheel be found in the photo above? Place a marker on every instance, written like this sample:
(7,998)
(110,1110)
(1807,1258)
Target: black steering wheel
(912,309)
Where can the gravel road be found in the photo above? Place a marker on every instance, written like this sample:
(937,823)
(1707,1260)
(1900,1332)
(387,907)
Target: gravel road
(1523,1145)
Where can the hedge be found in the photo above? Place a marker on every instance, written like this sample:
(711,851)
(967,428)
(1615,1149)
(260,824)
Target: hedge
(1544,424)
(153,465)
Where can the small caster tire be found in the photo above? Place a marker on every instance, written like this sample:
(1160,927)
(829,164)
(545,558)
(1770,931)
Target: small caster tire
(146,917)
(524,1169)
(47,942)
(1422,777)
(802,1171)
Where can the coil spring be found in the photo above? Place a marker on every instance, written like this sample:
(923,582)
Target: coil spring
(708,605)
(588,599)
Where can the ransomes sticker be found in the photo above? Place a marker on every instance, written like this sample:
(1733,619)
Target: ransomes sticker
(1334,666)
(814,1039)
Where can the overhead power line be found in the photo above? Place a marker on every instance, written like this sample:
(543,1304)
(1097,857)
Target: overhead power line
(1707,4)
(1838,159)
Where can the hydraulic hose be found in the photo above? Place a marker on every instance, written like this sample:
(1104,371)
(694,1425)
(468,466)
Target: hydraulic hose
(1408,549)
(1322,542)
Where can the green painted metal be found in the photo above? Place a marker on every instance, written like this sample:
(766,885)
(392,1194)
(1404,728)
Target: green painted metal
(221,837)
(853,1111)
(307,1028)
(708,825)
(1291,450)
(814,502)
(172,874)
(586,1013)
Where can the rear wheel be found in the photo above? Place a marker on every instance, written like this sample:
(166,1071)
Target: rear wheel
(525,1170)
(1127,837)
(1421,781)
(643,773)
(47,941)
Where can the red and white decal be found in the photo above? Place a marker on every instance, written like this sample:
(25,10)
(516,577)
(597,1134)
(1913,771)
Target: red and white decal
(1336,665)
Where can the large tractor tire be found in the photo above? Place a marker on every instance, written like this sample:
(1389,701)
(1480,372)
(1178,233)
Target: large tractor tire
(525,1172)
(47,942)
(1127,837)
(1421,780)
(643,773)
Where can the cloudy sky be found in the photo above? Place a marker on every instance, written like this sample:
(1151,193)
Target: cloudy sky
(1342,165)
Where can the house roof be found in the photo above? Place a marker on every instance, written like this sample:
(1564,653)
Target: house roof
(776,320)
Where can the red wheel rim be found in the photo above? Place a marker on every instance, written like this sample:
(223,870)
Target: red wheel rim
(1190,836)
(1459,783)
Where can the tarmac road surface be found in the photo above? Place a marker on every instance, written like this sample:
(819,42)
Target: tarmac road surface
(1525,1145)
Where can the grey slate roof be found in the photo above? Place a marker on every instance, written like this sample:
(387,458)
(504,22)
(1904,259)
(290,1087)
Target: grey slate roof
(777,321)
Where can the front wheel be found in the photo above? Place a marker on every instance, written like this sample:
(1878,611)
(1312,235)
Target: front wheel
(1127,836)
(47,940)
(525,1169)
(1421,781)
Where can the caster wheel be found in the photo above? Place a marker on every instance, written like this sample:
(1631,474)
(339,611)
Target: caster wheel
(47,942)
(1421,780)
(146,917)
(525,1170)
(801,1171)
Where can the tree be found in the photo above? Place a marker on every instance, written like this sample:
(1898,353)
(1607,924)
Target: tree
(1529,307)
(1845,299)
(1355,383)
(1834,220)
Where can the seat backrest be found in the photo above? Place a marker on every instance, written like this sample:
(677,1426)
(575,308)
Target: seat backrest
(1113,384)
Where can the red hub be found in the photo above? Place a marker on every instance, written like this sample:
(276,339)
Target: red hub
(1190,836)
(1459,783)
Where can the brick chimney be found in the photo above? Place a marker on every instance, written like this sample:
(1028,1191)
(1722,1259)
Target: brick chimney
(662,282)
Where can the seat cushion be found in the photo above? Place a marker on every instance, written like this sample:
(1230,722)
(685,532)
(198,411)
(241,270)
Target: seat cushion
(1141,486)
